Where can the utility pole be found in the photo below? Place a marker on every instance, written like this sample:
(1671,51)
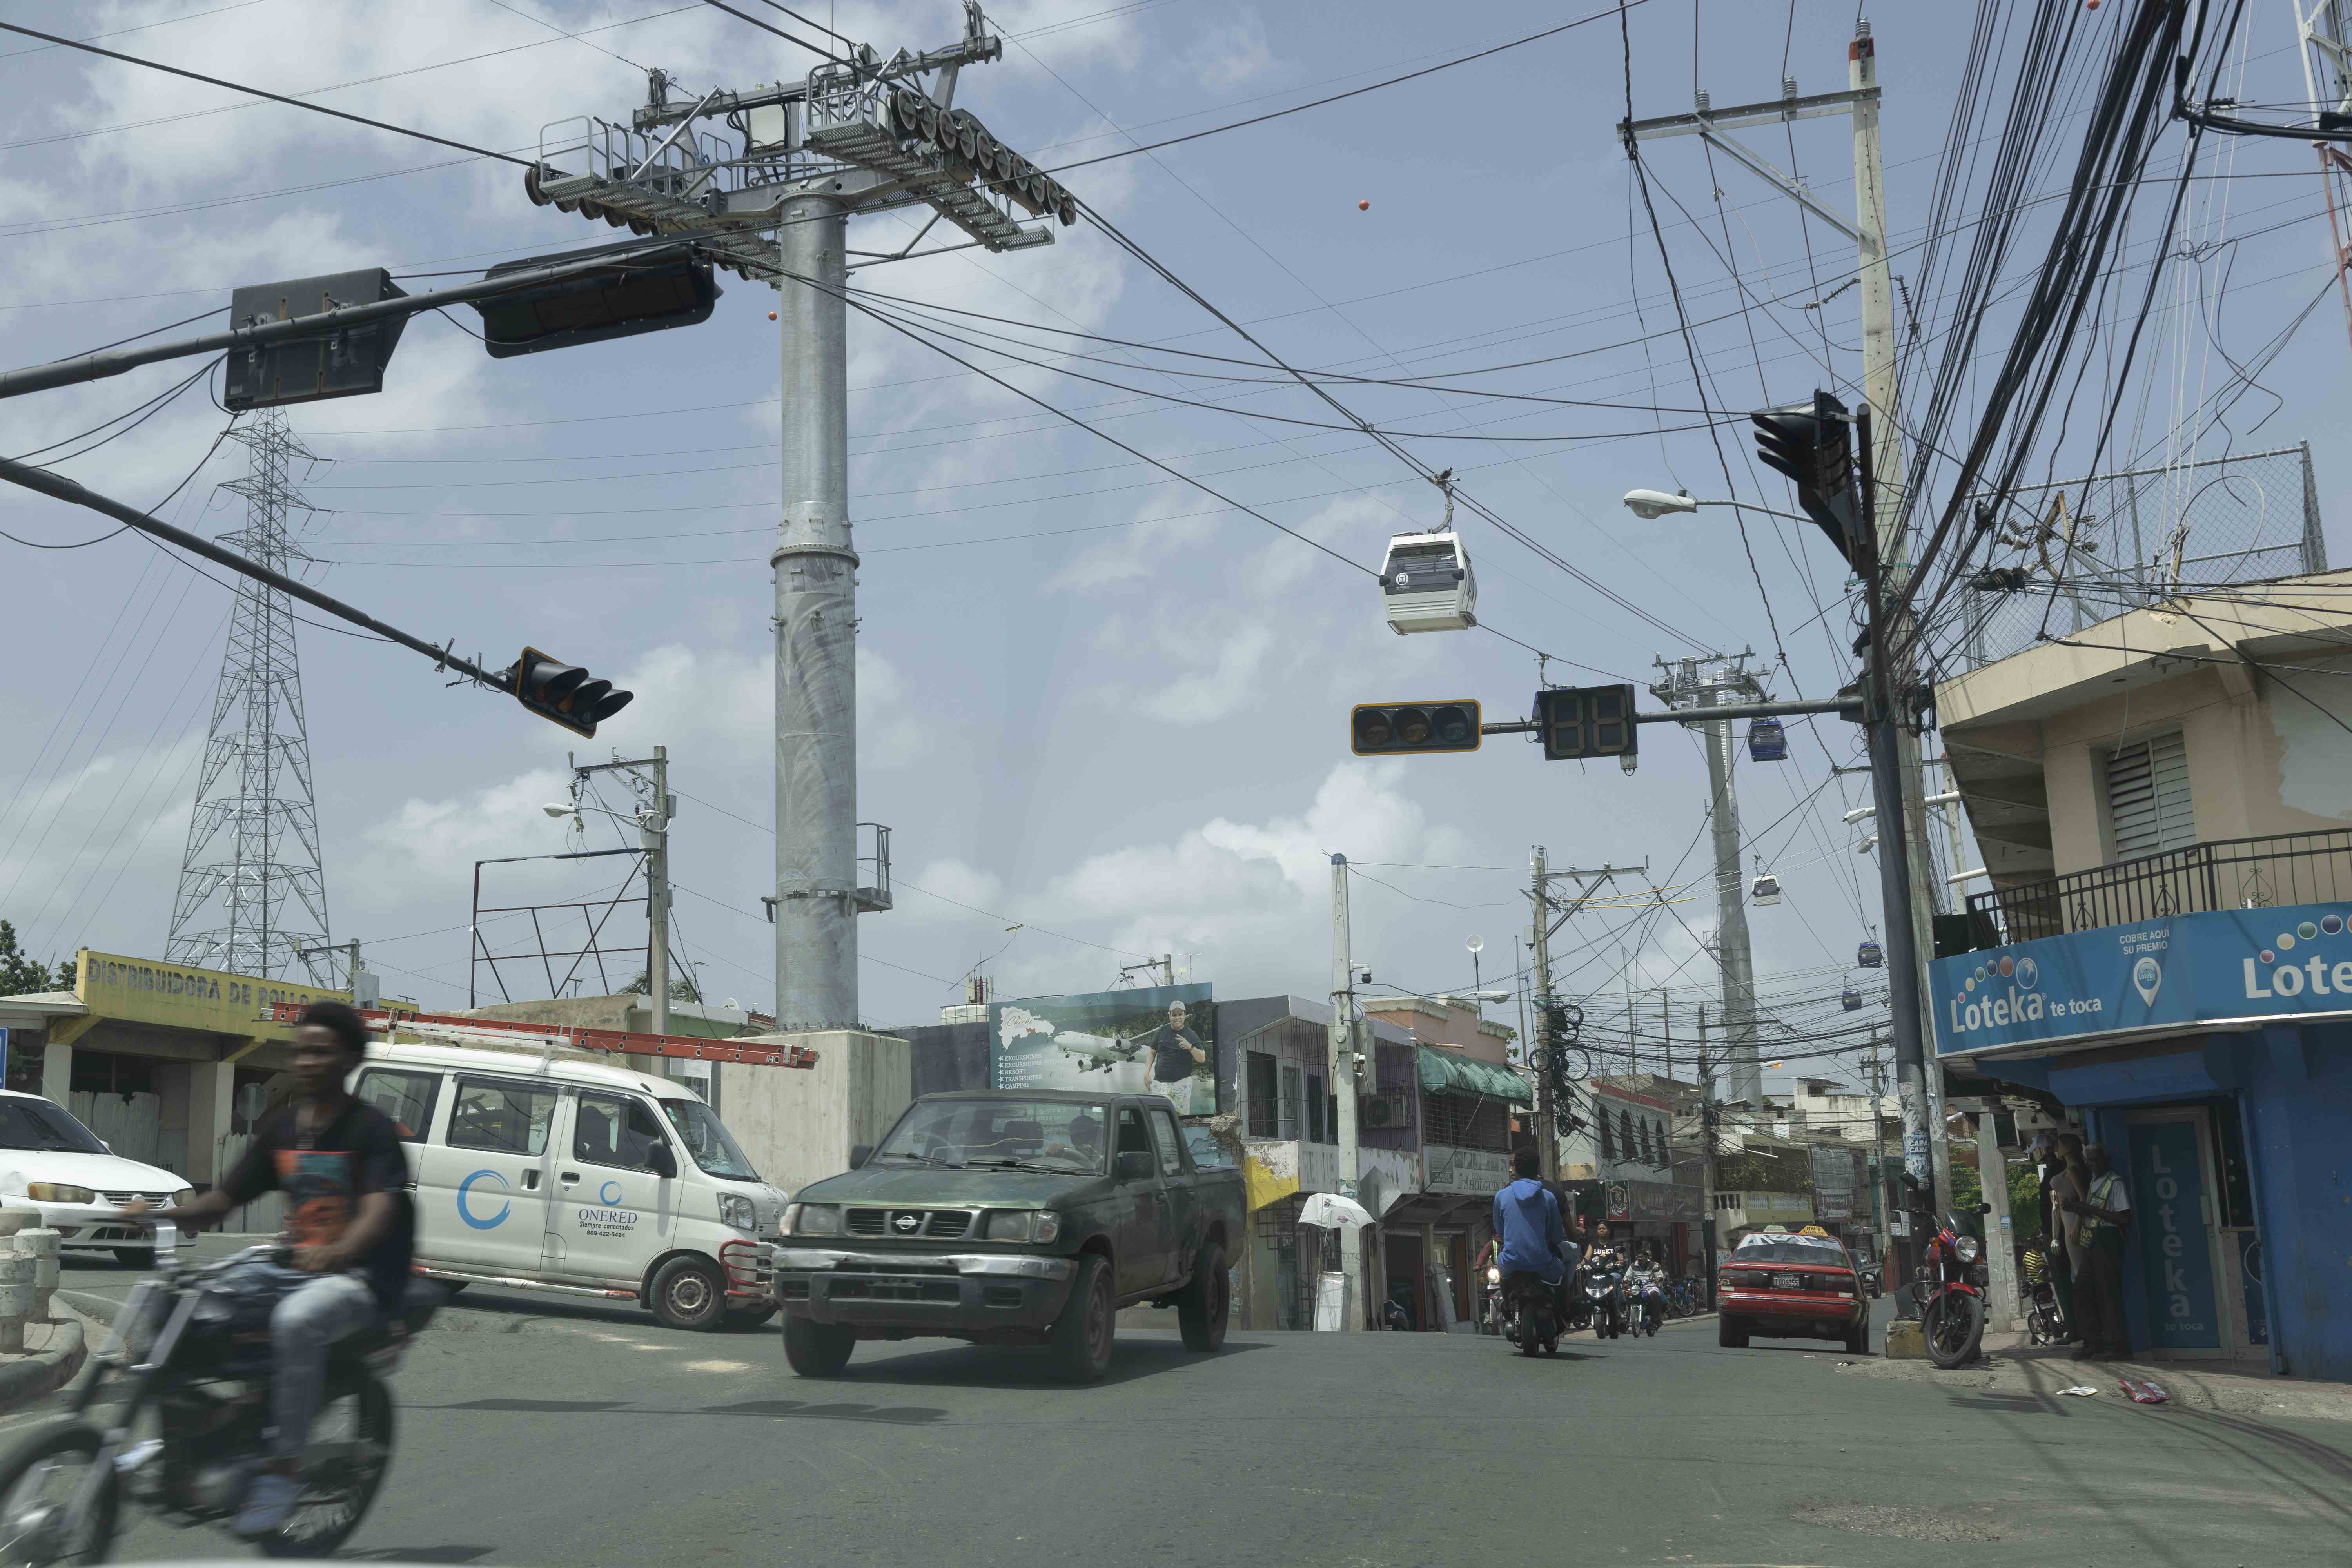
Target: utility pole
(1707,1153)
(1686,686)
(648,779)
(2000,1250)
(864,131)
(1547,1143)
(1343,1079)
(1878,1150)
(2327,83)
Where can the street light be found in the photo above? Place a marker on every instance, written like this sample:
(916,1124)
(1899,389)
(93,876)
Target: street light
(1651,505)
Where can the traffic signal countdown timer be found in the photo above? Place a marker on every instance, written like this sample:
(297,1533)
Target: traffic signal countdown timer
(1390,729)
(1578,721)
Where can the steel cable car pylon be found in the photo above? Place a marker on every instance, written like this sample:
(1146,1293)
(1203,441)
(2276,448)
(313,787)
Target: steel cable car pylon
(1427,584)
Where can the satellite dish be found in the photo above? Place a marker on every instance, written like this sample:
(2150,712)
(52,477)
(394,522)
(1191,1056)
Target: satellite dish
(1476,945)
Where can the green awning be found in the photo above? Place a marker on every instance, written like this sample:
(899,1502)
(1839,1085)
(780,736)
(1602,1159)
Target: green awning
(1445,1072)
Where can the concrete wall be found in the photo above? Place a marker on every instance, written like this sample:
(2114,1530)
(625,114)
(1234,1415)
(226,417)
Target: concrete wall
(798,1124)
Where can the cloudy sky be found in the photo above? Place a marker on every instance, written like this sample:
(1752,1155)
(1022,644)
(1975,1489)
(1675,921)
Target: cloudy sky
(1094,702)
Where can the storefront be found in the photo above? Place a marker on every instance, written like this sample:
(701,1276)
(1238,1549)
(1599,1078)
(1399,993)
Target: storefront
(2212,1054)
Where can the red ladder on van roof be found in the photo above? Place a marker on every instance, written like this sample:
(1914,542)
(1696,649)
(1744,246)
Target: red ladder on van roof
(619,1042)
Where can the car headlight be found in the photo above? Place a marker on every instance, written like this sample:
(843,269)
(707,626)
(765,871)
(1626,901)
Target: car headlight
(1024,1225)
(736,1210)
(1967,1248)
(59,1192)
(812,1219)
(184,1197)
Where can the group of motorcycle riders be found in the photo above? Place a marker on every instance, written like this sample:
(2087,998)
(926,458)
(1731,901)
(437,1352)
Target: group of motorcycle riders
(1588,1279)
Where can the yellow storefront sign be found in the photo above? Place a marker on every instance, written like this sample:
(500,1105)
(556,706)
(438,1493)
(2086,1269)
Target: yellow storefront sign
(180,996)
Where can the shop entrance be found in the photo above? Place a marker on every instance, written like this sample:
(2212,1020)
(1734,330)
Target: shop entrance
(2196,1257)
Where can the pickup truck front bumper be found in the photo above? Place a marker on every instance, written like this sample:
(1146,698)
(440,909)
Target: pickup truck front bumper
(937,1293)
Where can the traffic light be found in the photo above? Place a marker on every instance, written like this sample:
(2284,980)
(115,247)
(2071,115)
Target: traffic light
(1810,443)
(346,363)
(1385,729)
(565,693)
(1578,721)
(643,291)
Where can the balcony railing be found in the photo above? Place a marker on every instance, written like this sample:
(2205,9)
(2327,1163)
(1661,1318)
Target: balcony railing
(2234,873)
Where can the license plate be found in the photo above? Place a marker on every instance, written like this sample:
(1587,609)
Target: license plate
(1788,1281)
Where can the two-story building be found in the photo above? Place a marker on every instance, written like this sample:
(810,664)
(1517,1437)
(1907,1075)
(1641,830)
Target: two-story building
(2164,801)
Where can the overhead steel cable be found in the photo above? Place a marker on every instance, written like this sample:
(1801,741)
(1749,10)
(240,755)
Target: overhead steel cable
(272,96)
(770,27)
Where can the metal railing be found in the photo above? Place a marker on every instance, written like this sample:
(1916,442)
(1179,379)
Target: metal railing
(2231,874)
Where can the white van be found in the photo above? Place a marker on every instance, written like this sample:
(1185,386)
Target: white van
(544,1172)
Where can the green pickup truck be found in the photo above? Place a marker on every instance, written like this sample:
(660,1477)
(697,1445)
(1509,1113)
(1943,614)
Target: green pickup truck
(1010,1217)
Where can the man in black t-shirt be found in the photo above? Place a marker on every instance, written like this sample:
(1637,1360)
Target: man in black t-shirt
(340,1164)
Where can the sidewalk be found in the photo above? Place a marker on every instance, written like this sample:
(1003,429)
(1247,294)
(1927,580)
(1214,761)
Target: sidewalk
(2013,1367)
(54,1352)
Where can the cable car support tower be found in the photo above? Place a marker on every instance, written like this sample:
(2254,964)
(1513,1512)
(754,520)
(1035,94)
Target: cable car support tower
(860,133)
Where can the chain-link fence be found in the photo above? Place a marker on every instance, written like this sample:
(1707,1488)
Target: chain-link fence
(2115,541)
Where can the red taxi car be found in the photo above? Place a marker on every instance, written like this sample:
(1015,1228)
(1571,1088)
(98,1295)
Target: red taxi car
(1797,1285)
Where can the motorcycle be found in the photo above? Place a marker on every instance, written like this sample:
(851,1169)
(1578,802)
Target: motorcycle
(2045,1321)
(1950,1288)
(187,1370)
(1606,1299)
(1645,1301)
(1533,1320)
(1491,1311)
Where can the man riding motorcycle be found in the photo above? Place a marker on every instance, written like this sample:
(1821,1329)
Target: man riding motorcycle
(1529,1234)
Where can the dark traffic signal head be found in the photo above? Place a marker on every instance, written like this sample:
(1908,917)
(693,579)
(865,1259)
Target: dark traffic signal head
(643,291)
(1810,443)
(346,363)
(1576,722)
(565,693)
(1381,728)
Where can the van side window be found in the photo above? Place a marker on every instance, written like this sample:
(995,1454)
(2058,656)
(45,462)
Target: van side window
(614,1130)
(1163,1128)
(407,1098)
(505,1119)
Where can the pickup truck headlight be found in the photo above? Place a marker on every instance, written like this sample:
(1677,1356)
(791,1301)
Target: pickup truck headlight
(812,1219)
(1024,1225)
(59,1192)
(736,1210)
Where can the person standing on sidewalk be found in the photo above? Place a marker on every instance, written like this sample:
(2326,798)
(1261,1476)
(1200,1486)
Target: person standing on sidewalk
(2066,1177)
(2105,1211)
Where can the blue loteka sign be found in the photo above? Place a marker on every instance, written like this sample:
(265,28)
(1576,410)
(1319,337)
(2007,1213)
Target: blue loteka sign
(2230,966)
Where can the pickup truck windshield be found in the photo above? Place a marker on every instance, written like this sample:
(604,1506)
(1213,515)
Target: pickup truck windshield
(707,1139)
(1015,1134)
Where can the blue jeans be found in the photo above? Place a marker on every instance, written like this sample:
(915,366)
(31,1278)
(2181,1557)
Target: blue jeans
(312,1312)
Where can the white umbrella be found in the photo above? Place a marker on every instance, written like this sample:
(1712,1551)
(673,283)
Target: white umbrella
(1331,1211)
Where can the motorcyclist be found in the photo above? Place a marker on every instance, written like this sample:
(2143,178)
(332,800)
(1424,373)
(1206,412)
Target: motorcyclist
(1647,1279)
(1531,1239)
(1606,1259)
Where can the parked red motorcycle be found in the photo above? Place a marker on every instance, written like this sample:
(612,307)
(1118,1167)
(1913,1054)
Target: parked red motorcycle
(1950,1288)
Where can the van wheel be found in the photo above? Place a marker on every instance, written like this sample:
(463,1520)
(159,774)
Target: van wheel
(1081,1337)
(688,1294)
(818,1350)
(741,1318)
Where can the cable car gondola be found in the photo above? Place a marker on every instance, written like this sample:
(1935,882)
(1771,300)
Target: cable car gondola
(1852,1000)
(1427,584)
(1768,742)
(1869,956)
(1766,889)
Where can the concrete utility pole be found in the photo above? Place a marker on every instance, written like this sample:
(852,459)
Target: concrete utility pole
(1878,1150)
(1343,1079)
(2000,1249)
(863,132)
(1706,1117)
(1686,686)
(1547,1141)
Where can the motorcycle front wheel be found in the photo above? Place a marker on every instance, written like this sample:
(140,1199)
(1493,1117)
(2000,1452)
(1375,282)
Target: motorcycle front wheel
(57,1500)
(1953,1326)
(351,1449)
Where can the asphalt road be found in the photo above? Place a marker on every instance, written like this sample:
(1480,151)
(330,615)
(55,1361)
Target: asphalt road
(534,1431)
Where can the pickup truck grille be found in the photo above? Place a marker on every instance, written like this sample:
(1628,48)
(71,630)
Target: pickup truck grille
(936,1225)
(894,1287)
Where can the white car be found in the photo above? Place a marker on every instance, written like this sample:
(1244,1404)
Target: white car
(52,1164)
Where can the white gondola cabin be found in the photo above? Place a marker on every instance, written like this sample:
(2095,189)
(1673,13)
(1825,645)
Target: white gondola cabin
(1427,584)
(1765,890)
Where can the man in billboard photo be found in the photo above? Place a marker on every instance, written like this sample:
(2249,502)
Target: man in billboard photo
(1178,1060)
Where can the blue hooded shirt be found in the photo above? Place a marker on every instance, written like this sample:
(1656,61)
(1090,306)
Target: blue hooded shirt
(1527,1225)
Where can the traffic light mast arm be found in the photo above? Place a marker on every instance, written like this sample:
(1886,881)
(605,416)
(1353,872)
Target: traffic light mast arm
(1848,706)
(66,490)
(115,362)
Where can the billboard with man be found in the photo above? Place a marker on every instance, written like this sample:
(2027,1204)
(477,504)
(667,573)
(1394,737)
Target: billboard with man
(1159,1040)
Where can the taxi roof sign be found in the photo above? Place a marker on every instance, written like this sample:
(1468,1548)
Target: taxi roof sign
(1812,1230)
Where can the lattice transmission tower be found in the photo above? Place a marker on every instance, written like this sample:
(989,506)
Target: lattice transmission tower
(253,892)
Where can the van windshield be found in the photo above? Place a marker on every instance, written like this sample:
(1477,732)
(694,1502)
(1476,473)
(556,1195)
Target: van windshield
(707,1139)
(37,1124)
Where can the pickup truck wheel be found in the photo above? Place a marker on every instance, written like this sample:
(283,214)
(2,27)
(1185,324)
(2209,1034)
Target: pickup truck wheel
(1206,1305)
(687,1293)
(818,1350)
(1081,1337)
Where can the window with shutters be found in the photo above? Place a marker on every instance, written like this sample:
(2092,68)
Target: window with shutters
(2148,797)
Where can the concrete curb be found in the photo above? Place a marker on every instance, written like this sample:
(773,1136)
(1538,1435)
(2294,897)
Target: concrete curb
(38,1376)
(98,1309)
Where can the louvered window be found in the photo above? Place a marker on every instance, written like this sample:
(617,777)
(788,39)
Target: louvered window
(2148,797)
